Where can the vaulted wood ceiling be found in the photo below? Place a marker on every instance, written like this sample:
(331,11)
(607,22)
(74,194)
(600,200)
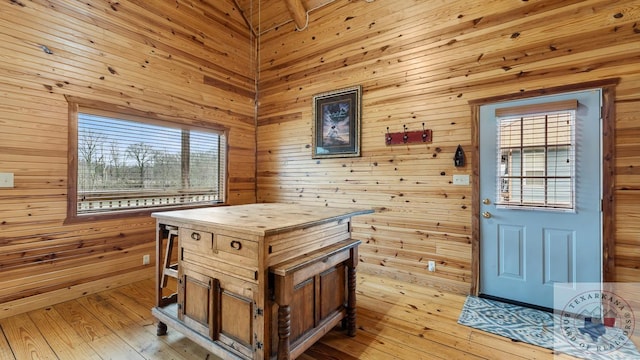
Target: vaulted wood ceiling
(264,15)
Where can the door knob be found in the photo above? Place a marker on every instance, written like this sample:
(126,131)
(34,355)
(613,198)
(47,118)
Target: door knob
(486,214)
(486,201)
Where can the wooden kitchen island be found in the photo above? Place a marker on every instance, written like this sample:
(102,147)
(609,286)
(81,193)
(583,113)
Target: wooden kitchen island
(258,281)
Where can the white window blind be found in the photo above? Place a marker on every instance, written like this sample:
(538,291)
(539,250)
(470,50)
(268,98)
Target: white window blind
(131,165)
(536,157)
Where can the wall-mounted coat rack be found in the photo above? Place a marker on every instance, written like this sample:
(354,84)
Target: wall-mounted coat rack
(408,137)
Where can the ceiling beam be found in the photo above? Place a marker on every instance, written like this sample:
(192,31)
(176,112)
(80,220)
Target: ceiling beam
(298,13)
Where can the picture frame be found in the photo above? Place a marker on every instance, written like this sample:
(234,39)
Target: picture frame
(336,123)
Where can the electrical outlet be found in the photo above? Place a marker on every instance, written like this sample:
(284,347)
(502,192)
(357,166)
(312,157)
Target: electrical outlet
(145,259)
(432,265)
(460,179)
(6,180)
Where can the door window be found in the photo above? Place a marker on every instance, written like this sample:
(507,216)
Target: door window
(536,164)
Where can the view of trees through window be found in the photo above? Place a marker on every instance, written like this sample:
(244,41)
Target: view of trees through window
(126,164)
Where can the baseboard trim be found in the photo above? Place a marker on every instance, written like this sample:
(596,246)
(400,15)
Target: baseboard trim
(39,301)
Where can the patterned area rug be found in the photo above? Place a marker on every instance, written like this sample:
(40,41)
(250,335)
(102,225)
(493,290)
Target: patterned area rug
(545,329)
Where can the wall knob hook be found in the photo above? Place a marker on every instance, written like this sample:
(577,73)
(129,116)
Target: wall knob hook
(424,134)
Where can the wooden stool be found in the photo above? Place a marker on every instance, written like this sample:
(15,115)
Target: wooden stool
(168,268)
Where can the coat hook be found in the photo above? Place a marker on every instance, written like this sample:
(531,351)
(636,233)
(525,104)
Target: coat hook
(424,134)
(408,137)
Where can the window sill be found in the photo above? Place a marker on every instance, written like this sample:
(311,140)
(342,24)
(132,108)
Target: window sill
(77,219)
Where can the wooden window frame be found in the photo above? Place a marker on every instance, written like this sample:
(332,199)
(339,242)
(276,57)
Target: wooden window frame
(100,108)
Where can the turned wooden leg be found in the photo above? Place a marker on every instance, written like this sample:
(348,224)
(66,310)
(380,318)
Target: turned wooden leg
(162,329)
(351,301)
(284,331)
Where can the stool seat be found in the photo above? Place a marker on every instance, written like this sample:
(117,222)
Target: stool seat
(169,269)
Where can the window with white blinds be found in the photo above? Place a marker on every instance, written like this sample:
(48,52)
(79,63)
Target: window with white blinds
(536,158)
(125,164)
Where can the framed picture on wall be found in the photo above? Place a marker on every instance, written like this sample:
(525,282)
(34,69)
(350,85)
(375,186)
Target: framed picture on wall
(336,123)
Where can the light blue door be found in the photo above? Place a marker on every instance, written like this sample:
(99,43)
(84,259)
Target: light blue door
(540,192)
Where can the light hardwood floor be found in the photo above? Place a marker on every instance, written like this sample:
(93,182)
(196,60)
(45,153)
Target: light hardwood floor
(395,321)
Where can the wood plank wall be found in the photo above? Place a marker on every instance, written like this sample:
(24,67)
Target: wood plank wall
(422,62)
(180,58)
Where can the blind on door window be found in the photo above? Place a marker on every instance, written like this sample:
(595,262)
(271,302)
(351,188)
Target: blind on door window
(536,157)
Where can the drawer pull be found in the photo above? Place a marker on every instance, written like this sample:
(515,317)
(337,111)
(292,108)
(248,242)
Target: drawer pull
(236,245)
(195,236)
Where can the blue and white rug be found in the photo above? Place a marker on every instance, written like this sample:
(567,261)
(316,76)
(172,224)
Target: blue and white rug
(545,329)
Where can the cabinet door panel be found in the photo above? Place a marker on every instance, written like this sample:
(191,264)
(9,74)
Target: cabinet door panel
(196,300)
(303,309)
(236,321)
(235,315)
(332,290)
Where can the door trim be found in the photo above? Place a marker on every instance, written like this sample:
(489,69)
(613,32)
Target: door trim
(608,87)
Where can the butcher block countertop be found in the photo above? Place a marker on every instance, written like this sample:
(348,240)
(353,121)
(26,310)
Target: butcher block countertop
(260,219)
